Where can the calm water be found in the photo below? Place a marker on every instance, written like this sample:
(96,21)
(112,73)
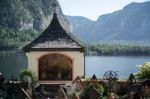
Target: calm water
(124,65)
(11,64)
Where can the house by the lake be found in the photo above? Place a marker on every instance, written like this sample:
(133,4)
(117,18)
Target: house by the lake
(55,56)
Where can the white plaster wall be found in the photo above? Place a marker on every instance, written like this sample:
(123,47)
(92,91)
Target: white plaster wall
(76,56)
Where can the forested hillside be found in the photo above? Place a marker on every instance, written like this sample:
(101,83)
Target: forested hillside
(23,20)
(14,40)
(115,49)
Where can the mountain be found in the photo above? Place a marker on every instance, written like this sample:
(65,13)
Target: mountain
(132,23)
(79,25)
(23,20)
(29,14)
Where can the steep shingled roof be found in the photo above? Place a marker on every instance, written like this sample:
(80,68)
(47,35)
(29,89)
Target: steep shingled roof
(53,38)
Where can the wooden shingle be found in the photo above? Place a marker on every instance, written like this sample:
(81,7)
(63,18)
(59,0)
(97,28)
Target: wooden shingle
(54,38)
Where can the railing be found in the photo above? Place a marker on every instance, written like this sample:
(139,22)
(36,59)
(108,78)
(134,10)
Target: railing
(65,96)
(96,90)
(75,96)
(26,94)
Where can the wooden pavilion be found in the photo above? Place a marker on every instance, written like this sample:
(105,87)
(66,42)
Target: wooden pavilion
(55,56)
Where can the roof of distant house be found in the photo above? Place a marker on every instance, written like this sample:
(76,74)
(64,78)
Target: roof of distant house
(54,38)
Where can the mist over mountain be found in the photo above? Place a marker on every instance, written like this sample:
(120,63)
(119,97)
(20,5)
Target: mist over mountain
(132,23)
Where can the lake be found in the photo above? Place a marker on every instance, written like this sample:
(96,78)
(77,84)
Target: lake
(123,65)
(12,63)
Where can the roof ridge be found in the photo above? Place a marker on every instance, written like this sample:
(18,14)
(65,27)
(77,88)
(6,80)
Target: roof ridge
(54,32)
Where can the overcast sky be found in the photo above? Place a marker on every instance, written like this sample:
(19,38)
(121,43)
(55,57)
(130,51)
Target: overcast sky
(92,9)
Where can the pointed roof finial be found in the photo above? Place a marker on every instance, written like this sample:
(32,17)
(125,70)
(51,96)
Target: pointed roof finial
(54,14)
(54,37)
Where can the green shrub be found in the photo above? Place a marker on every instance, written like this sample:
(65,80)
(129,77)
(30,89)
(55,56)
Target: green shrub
(148,98)
(100,88)
(144,71)
(85,92)
(29,73)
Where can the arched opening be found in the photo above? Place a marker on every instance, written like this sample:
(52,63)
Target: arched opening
(55,67)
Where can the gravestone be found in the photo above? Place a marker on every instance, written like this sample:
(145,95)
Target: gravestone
(77,84)
(94,81)
(93,93)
